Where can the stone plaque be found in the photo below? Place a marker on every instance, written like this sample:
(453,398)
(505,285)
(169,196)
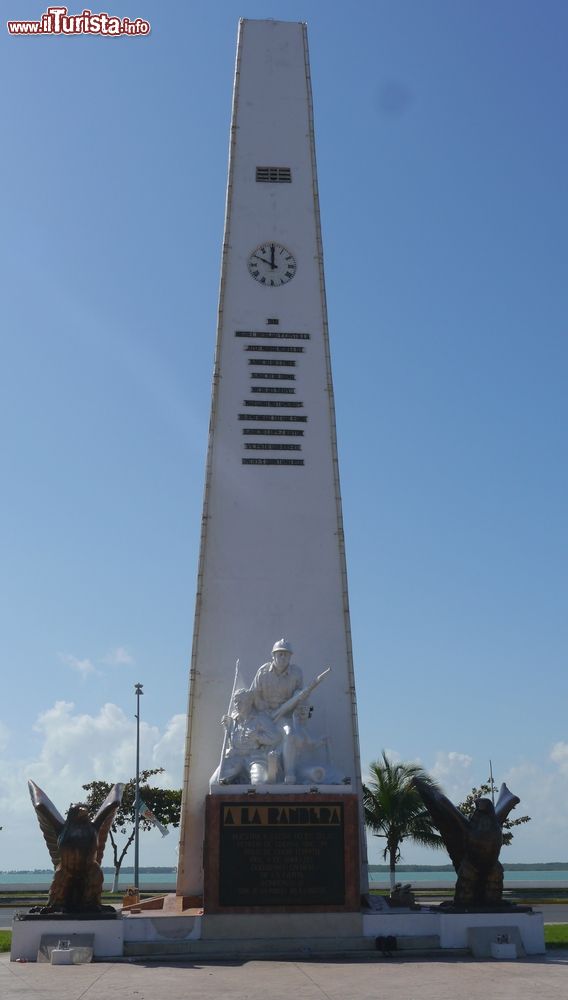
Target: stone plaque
(281,852)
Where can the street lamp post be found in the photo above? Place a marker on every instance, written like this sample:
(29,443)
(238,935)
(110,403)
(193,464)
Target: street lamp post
(138,691)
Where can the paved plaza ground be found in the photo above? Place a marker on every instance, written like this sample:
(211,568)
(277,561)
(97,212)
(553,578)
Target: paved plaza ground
(394,979)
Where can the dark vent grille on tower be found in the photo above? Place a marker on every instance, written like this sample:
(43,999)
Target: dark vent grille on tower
(274,175)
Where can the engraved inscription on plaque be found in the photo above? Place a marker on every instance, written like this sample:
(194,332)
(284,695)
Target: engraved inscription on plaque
(282,854)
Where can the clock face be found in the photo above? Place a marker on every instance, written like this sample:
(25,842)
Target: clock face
(271,264)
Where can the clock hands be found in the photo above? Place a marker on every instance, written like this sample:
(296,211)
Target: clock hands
(270,263)
(278,264)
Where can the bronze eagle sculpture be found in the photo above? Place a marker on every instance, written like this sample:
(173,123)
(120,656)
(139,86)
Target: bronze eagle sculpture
(76,845)
(473,843)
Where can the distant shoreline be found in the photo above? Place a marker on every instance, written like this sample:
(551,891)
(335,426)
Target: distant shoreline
(543,866)
(26,889)
(107,870)
(550,866)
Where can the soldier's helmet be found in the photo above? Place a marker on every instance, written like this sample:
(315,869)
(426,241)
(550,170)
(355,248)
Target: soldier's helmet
(282,644)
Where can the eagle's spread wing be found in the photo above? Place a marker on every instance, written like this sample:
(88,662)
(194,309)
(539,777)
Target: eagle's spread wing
(505,803)
(103,820)
(50,820)
(451,823)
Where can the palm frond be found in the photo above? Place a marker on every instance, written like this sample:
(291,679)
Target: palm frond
(392,807)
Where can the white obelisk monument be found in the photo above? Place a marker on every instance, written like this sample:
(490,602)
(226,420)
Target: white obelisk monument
(272,559)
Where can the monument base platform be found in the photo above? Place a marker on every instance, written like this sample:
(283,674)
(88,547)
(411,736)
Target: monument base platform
(423,932)
(159,933)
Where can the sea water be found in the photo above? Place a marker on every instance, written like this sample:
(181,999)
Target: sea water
(167,880)
(423,879)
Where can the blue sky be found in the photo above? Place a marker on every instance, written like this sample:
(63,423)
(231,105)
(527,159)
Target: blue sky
(443,157)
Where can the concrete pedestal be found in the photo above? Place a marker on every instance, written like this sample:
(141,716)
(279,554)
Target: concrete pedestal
(455,929)
(27,936)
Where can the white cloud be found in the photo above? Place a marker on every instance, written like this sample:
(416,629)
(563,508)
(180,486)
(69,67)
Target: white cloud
(83,667)
(169,751)
(75,748)
(454,772)
(544,797)
(559,755)
(118,657)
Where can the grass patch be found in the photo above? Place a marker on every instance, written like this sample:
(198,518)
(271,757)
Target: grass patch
(556,935)
(5,940)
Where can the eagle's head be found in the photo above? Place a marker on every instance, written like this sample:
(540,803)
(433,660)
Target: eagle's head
(78,813)
(485,806)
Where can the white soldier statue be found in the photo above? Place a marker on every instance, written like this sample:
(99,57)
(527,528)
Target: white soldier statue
(262,740)
(251,737)
(309,764)
(277,680)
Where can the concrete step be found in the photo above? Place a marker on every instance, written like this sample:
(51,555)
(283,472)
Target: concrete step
(240,947)
(417,942)
(355,947)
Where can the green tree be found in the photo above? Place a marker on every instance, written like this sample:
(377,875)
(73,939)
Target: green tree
(165,803)
(486,790)
(394,809)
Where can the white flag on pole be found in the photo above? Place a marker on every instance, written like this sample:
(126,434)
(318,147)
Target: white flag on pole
(148,815)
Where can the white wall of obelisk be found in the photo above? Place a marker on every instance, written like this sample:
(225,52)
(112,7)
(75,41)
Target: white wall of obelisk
(272,560)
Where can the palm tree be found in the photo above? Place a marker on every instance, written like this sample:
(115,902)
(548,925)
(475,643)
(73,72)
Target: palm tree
(395,811)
